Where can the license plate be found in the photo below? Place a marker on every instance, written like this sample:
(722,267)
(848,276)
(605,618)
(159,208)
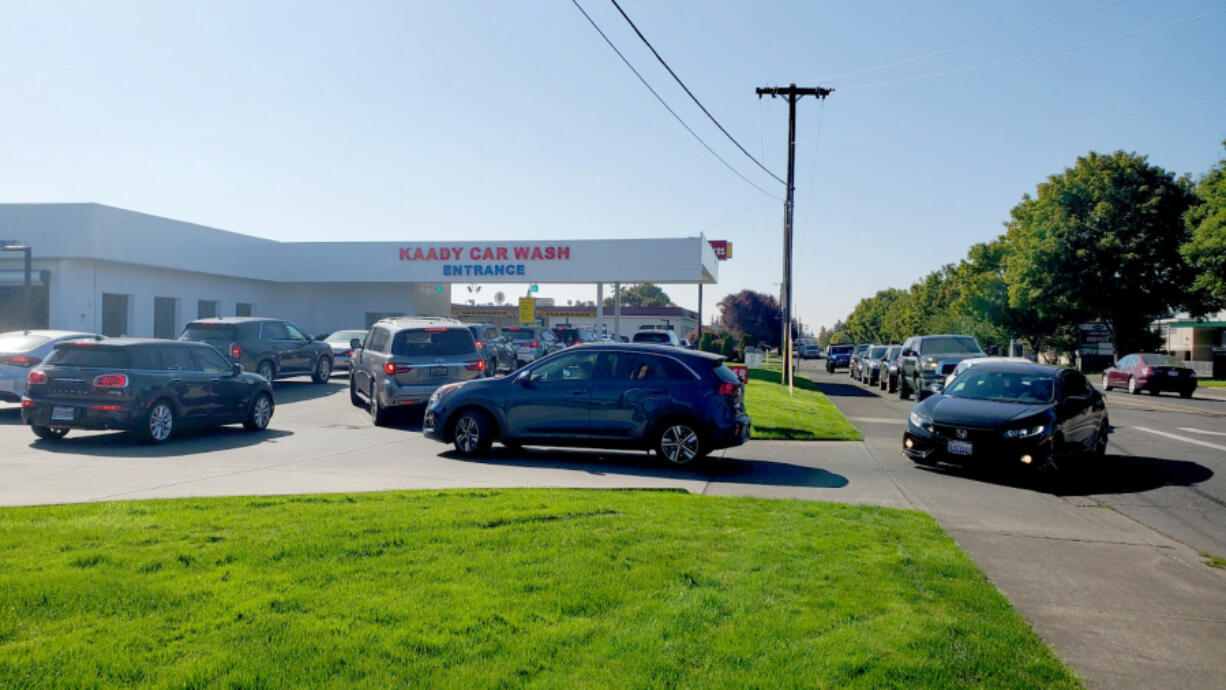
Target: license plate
(63,414)
(959,447)
(1172,373)
(438,371)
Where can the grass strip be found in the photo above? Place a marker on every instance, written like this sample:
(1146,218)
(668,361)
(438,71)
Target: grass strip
(547,588)
(806,416)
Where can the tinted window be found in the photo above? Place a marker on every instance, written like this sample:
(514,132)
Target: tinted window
(568,335)
(577,366)
(295,333)
(178,359)
(949,343)
(651,337)
(20,342)
(1161,361)
(724,373)
(343,337)
(275,330)
(147,358)
(248,331)
(625,366)
(984,383)
(91,356)
(876,352)
(520,334)
(210,360)
(840,349)
(378,339)
(1075,384)
(433,341)
(215,334)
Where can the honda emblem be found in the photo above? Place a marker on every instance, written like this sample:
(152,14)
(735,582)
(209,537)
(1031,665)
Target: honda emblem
(962,434)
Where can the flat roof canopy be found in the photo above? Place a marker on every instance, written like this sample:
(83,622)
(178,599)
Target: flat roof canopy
(93,231)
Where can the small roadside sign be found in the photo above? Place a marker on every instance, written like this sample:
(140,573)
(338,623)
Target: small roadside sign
(527,309)
(741,371)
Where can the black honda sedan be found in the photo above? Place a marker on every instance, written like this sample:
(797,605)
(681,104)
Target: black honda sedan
(681,403)
(152,387)
(1010,414)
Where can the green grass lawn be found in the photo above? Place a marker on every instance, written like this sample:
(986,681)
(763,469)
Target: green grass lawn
(1211,383)
(547,588)
(807,416)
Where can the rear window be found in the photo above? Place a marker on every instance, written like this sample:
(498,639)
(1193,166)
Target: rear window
(570,335)
(949,343)
(91,357)
(724,373)
(1155,361)
(840,349)
(651,337)
(433,341)
(21,342)
(520,334)
(220,334)
(876,352)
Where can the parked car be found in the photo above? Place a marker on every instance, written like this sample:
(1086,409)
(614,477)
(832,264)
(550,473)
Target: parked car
(1147,371)
(574,335)
(888,374)
(152,387)
(972,361)
(1012,414)
(531,343)
(495,348)
(838,356)
(272,348)
(656,337)
(809,351)
(342,352)
(870,363)
(404,359)
(22,350)
(853,363)
(928,359)
(680,403)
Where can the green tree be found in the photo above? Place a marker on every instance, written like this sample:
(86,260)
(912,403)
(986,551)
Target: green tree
(728,346)
(642,295)
(707,342)
(1206,250)
(1101,241)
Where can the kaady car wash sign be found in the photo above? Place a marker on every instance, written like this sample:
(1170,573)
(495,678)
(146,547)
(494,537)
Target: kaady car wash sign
(489,260)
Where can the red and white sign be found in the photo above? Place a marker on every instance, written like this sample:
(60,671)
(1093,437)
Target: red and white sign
(723,249)
(741,371)
(486,253)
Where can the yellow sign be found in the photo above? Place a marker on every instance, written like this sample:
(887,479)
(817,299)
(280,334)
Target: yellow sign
(527,310)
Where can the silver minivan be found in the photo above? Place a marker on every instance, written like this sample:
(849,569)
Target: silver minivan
(402,360)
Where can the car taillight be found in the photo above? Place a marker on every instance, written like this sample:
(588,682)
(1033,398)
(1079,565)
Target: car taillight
(19,360)
(349,353)
(235,350)
(478,365)
(1149,371)
(533,344)
(392,368)
(107,408)
(26,402)
(36,376)
(111,381)
(575,343)
(727,389)
(479,344)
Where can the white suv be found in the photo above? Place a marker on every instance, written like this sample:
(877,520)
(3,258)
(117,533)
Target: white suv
(653,337)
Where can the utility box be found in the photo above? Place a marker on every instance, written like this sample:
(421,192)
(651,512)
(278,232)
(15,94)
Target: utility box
(1219,362)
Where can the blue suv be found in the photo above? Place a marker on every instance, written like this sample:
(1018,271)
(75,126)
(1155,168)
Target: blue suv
(680,403)
(838,357)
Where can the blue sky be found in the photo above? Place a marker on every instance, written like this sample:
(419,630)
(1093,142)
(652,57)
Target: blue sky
(513,120)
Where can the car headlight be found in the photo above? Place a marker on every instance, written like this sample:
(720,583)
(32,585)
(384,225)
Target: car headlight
(1026,432)
(443,391)
(921,421)
(928,365)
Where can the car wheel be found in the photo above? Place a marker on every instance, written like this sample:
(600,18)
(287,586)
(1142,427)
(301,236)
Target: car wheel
(903,393)
(680,443)
(323,370)
(1132,386)
(159,422)
(260,414)
(1106,382)
(473,433)
(1186,393)
(1099,449)
(49,433)
(354,398)
(266,370)
(378,413)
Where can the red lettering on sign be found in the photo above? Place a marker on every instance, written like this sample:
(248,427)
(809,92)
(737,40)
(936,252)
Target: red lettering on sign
(521,253)
(537,255)
(406,254)
(431,255)
(564,253)
(502,254)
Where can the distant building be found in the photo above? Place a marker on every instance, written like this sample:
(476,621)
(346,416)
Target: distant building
(681,321)
(1193,340)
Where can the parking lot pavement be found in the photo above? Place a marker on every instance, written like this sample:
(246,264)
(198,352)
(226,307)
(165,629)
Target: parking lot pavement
(1093,568)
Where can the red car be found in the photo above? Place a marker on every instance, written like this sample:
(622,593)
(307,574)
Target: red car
(1150,372)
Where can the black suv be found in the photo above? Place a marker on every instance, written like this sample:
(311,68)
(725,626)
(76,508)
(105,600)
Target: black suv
(926,360)
(680,403)
(574,335)
(404,359)
(495,348)
(272,348)
(148,386)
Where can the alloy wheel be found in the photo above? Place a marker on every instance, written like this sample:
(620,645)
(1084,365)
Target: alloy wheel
(261,414)
(161,422)
(324,369)
(467,434)
(265,370)
(679,444)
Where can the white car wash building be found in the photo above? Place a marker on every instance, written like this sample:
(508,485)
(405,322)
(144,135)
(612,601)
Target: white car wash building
(116,272)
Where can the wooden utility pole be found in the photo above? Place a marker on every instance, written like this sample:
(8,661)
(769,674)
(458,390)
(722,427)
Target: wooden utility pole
(792,93)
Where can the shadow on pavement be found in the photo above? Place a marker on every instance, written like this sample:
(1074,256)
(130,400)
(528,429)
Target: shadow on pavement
(845,390)
(10,415)
(1117,474)
(639,464)
(303,388)
(122,444)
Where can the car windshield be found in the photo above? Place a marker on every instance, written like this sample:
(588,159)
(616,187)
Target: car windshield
(569,335)
(840,349)
(876,352)
(1161,361)
(651,337)
(90,357)
(949,343)
(892,352)
(21,342)
(987,383)
(520,334)
(433,341)
(343,337)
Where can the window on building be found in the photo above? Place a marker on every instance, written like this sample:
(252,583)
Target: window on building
(115,314)
(207,309)
(164,317)
(243,309)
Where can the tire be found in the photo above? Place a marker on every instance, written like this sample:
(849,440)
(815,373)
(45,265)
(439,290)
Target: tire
(47,433)
(378,413)
(159,423)
(266,370)
(472,432)
(354,398)
(1132,386)
(679,442)
(903,393)
(891,384)
(323,370)
(260,413)
(1106,383)
(1186,393)
(1099,450)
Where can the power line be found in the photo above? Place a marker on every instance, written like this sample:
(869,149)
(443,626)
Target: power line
(1057,51)
(666,106)
(974,44)
(694,98)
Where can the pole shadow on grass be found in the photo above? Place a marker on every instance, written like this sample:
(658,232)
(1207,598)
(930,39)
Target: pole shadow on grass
(726,470)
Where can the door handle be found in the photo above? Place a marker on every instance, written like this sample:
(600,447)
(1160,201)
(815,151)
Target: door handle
(578,392)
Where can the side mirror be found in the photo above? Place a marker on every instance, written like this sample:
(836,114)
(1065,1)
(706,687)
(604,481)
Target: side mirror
(237,369)
(525,380)
(355,344)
